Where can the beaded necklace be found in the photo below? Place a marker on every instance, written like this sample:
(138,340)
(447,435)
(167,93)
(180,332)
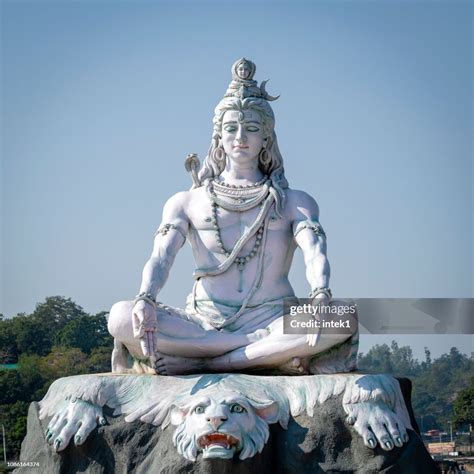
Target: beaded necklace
(247,197)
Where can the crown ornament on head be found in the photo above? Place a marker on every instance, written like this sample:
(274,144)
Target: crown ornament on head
(243,85)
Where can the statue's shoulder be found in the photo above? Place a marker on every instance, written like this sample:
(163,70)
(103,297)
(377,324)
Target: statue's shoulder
(186,200)
(296,199)
(179,199)
(177,205)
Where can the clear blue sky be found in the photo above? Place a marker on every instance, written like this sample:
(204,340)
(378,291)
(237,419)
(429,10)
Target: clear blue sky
(102,100)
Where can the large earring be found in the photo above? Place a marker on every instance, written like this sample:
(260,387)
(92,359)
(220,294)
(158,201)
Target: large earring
(219,154)
(264,158)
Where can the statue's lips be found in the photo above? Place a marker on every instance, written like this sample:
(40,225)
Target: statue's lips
(221,439)
(239,147)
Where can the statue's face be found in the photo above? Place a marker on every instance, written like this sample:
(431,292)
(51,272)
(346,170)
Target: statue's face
(242,135)
(243,70)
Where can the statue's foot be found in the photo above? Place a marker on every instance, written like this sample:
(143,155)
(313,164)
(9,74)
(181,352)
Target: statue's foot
(295,366)
(257,335)
(118,368)
(120,359)
(174,365)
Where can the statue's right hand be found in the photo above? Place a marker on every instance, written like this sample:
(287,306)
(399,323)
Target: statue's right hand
(145,327)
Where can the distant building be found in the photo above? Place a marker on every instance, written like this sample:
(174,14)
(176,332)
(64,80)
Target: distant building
(442,448)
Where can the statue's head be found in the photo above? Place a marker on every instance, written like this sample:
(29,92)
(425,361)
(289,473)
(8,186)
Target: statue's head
(256,118)
(249,104)
(220,425)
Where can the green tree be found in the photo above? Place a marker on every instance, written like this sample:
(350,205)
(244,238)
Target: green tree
(32,336)
(62,362)
(32,379)
(463,406)
(426,365)
(99,360)
(8,346)
(57,310)
(36,333)
(378,359)
(86,332)
(14,418)
(11,388)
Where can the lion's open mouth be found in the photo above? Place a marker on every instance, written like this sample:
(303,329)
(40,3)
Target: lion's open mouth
(223,440)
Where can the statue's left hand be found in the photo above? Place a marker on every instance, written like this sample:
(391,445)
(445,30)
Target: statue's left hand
(78,418)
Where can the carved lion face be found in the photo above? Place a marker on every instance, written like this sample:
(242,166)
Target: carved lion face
(220,425)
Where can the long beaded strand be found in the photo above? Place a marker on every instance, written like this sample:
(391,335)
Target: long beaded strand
(240,261)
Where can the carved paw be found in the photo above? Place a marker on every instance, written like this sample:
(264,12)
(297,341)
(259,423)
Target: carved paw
(77,418)
(376,423)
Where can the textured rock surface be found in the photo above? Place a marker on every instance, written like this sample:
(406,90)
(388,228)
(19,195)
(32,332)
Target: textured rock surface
(323,443)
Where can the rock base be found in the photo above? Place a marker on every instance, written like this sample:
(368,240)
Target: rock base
(310,444)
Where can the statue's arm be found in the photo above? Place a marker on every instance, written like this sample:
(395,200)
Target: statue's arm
(169,238)
(310,237)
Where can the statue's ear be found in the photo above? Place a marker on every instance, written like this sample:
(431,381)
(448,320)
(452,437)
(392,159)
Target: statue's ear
(266,410)
(178,414)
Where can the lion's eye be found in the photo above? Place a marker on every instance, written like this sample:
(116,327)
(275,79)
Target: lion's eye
(236,408)
(199,410)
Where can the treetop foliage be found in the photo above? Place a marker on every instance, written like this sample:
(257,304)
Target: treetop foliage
(56,321)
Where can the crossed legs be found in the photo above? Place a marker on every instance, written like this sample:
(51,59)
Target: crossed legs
(175,336)
(185,347)
(284,352)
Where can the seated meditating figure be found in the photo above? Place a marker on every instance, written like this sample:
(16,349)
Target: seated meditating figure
(244,224)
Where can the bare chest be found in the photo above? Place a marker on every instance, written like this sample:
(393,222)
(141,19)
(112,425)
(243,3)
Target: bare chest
(203,218)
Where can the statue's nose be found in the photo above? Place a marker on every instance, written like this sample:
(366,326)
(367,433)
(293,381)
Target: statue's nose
(216,421)
(240,135)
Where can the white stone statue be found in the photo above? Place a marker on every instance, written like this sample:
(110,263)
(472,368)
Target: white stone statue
(244,224)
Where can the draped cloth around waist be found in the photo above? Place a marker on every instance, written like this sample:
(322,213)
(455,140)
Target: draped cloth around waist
(220,315)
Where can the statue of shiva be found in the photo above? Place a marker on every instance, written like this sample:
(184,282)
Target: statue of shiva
(244,224)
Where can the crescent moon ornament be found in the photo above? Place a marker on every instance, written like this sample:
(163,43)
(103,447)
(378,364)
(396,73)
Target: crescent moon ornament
(265,93)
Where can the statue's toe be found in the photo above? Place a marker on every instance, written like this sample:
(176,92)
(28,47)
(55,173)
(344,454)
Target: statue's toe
(160,364)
